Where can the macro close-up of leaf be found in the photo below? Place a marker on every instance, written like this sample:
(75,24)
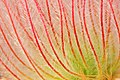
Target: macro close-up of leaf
(59,39)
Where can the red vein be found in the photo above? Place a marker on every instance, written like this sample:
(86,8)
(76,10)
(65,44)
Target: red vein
(116,23)
(69,20)
(33,30)
(95,13)
(51,24)
(62,32)
(6,40)
(32,38)
(49,53)
(78,6)
(108,29)
(75,33)
(21,42)
(55,33)
(56,13)
(69,34)
(36,45)
(95,54)
(9,69)
(52,76)
(42,44)
(52,44)
(13,64)
(92,21)
(34,42)
(23,27)
(5,25)
(102,27)
(43,47)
